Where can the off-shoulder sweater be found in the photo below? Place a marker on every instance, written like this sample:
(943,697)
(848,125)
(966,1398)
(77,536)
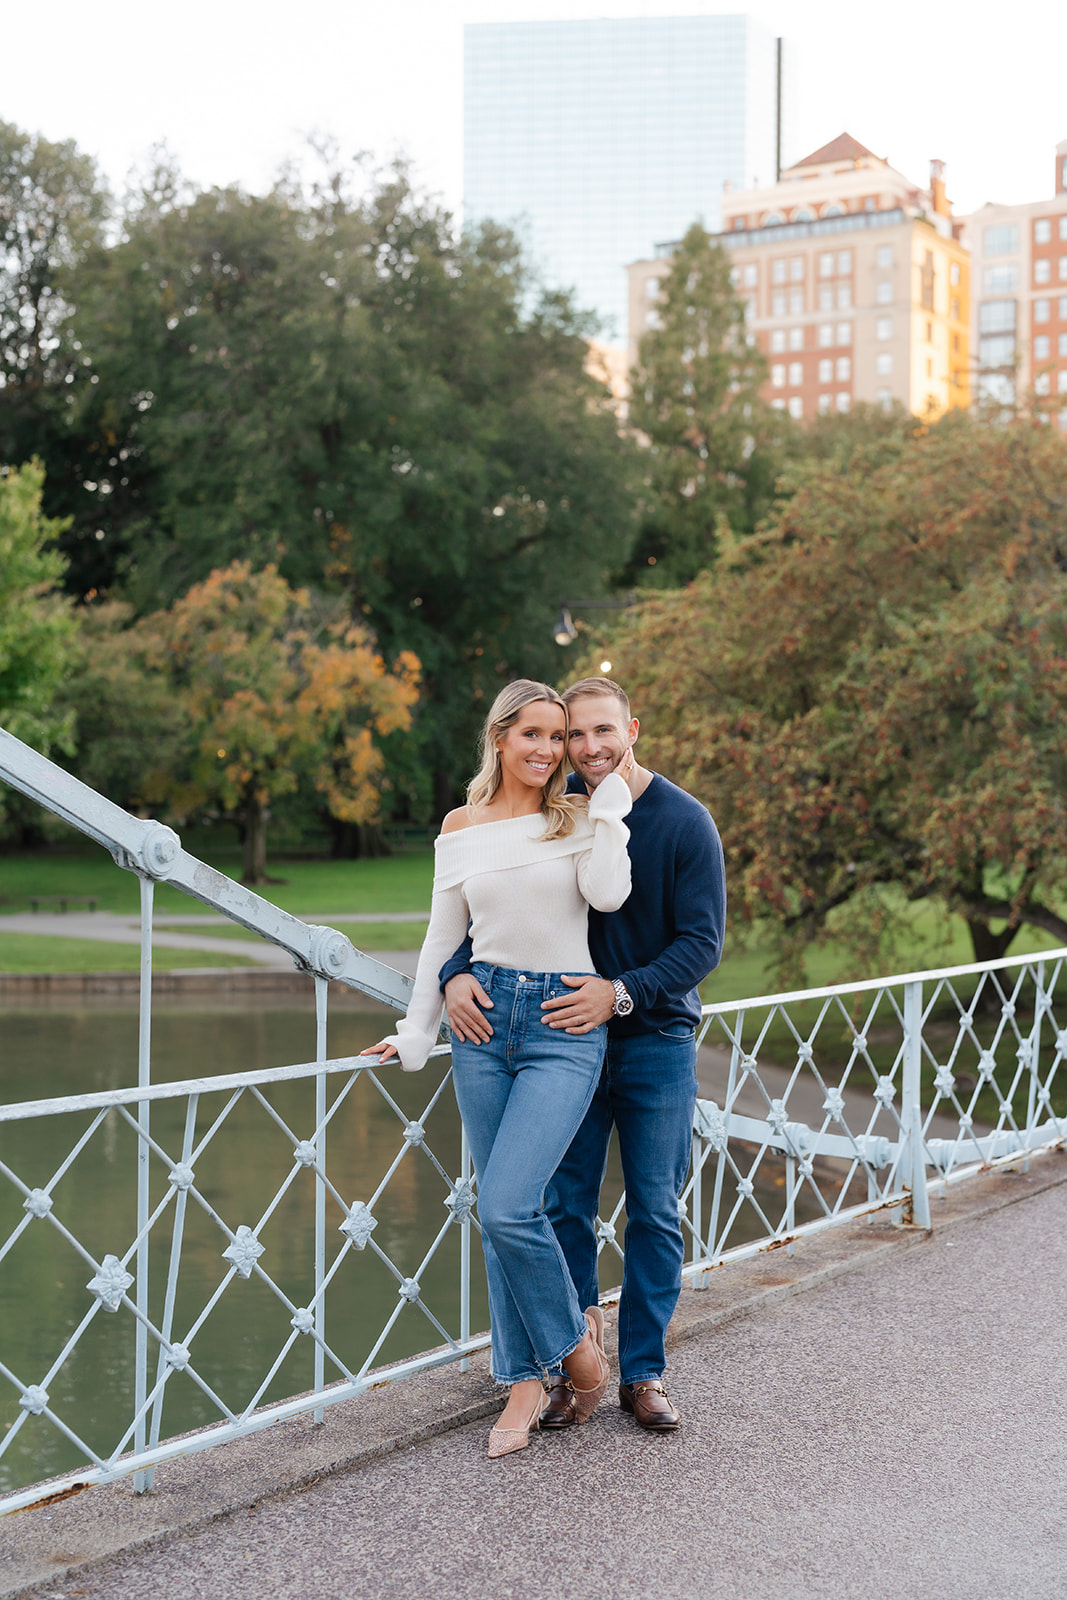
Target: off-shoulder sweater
(525,898)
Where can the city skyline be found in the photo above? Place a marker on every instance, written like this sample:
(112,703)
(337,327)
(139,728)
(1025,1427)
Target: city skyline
(234,88)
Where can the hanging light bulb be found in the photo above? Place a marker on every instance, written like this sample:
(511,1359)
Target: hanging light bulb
(564,630)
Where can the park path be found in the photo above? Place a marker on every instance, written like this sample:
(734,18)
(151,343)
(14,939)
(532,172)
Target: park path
(899,1431)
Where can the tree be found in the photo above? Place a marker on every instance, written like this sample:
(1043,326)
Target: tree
(338,385)
(276,693)
(36,627)
(715,448)
(873,691)
(52,212)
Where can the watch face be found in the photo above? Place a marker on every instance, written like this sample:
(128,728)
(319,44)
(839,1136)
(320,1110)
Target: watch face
(623,1002)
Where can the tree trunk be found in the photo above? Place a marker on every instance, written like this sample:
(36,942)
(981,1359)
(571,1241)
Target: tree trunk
(987,945)
(255,843)
(357,841)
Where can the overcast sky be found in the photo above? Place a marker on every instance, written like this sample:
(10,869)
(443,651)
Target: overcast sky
(235,87)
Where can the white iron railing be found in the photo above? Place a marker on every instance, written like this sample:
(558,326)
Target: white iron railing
(833,1103)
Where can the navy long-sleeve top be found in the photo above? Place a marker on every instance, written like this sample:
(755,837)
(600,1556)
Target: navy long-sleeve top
(668,935)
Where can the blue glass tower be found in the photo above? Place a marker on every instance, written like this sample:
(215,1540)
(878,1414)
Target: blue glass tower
(596,140)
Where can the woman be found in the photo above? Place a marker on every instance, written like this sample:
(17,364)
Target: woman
(521,863)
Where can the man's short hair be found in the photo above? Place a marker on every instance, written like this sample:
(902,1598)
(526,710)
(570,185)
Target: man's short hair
(606,687)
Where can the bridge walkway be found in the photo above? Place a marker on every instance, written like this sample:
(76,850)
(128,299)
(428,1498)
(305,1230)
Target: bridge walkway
(898,1430)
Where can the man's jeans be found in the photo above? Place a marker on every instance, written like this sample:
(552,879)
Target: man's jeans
(648,1089)
(522,1096)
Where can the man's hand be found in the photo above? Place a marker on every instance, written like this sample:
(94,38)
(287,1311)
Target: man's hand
(464,996)
(591,1005)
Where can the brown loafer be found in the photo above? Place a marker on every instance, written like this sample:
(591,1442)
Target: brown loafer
(561,1410)
(648,1404)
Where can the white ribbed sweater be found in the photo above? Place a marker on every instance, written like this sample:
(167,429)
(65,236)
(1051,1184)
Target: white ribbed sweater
(526,900)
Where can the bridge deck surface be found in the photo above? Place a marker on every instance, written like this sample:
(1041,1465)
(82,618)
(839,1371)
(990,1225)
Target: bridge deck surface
(899,1430)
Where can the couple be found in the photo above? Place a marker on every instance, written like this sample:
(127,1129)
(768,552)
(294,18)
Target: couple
(552,884)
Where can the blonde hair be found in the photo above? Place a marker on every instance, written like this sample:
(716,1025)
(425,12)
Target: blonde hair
(558,806)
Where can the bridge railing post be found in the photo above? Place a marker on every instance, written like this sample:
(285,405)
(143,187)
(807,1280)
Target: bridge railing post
(916,1209)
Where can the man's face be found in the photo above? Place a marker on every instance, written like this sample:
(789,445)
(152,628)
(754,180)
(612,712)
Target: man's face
(599,736)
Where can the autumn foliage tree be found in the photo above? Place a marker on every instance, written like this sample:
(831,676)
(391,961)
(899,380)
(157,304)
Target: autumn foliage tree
(873,690)
(276,692)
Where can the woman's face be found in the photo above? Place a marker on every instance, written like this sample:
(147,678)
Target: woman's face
(532,748)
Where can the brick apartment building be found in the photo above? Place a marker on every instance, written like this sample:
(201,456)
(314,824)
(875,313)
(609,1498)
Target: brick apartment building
(856,283)
(1019,268)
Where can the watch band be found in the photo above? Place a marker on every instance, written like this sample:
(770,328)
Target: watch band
(623,999)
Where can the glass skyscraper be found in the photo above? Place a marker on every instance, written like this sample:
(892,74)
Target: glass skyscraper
(598,140)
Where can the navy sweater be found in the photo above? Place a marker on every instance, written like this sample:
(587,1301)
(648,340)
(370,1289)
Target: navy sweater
(668,935)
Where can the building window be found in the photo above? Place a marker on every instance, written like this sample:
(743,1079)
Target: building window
(778,375)
(1063,267)
(777,340)
(1000,241)
(826,334)
(652,319)
(996,316)
(1063,227)
(954,309)
(883,256)
(1042,269)
(997,350)
(652,287)
(884,397)
(844,369)
(844,333)
(1043,230)
(796,374)
(1061,381)
(843,402)
(796,338)
(926,286)
(825,402)
(777,405)
(883,328)
(1041,310)
(796,406)
(1001,280)
(1041,347)
(844,297)
(778,304)
(1061,345)
(1063,307)
(751,275)
(870,203)
(826,372)
(771,219)
(844,262)
(954,273)
(929,333)
(883,363)
(826,265)
(826,299)
(739,223)
(796,302)
(779,270)
(1041,383)
(834,210)
(929,367)
(884,293)
(796,269)
(751,309)
(804,214)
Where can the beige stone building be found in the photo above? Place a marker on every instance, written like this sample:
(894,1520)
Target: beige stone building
(857,285)
(1019,321)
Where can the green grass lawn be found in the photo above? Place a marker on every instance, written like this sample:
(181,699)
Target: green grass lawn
(35,952)
(402,882)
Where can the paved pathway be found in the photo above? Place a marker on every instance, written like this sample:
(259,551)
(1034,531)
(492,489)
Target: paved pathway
(899,1432)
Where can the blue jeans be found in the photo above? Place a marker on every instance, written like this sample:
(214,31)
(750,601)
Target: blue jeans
(648,1090)
(522,1096)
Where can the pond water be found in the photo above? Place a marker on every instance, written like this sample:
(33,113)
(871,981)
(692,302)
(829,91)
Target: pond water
(43,1298)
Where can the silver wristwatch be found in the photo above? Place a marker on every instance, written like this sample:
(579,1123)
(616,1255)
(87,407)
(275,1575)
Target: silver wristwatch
(623,1001)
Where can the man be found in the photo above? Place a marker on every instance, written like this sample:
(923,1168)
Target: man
(651,955)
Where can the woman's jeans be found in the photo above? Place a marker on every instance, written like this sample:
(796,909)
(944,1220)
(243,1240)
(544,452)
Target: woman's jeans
(523,1095)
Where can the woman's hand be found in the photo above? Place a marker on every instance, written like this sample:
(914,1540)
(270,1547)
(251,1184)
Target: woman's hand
(385,1050)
